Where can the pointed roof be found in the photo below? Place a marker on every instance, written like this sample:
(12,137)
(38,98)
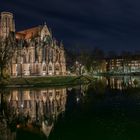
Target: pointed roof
(45,31)
(28,33)
(34,31)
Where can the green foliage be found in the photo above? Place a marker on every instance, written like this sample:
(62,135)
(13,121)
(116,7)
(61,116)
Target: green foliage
(46,81)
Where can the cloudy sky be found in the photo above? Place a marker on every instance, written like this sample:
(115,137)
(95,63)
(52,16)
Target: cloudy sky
(107,24)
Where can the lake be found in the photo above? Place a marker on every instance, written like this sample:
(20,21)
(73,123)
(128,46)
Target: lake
(108,108)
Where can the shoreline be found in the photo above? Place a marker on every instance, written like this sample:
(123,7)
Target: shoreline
(25,82)
(32,82)
(119,74)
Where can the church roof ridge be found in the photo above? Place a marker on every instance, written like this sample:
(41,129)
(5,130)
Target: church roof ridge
(30,28)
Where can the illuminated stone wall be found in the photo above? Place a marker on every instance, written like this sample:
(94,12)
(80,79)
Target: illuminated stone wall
(37,53)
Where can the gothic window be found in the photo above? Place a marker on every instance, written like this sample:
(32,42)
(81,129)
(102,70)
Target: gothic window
(50,55)
(36,53)
(29,57)
(57,55)
(37,69)
(57,67)
(44,53)
(44,68)
(50,68)
(57,93)
(50,94)
(24,59)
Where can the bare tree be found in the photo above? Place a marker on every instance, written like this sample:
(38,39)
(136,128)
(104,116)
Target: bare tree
(7,49)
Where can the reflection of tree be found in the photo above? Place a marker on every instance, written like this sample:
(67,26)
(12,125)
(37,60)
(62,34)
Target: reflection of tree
(7,117)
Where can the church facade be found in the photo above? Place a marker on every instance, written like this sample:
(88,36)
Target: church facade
(37,52)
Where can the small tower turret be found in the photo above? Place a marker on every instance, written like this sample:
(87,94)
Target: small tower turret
(7,24)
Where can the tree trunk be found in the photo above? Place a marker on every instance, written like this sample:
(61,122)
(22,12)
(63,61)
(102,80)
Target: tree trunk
(2,72)
(2,75)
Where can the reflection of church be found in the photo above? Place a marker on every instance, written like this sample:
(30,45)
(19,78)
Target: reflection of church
(41,106)
(38,53)
(49,102)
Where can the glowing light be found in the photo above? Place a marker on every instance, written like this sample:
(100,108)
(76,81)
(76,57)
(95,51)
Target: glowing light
(77,99)
(18,126)
(22,105)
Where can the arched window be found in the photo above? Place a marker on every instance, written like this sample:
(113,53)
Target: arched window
(50,68)
(44,68)
(37,69)
(24,58)
(57,67)
(30,57)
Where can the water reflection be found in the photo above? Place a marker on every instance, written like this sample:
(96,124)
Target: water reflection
(108,109)
(123,82)
(41,111)
(33,109)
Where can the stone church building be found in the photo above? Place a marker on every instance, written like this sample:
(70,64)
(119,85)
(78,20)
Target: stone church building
(37,52)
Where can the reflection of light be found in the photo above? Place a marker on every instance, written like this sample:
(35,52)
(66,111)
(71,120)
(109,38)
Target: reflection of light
(77,99)
(22,105)
(18,126)
(8,99)
(44,73)
(69,89)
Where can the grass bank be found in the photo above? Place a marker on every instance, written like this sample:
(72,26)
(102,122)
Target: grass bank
(119,74)
(45,81)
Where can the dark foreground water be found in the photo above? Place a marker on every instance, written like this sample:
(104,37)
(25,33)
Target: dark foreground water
(106,109)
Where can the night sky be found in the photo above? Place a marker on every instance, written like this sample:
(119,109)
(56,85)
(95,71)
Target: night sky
(107,24)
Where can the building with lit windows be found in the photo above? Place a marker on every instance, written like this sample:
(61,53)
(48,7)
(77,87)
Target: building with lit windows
(37,54)
(123,64)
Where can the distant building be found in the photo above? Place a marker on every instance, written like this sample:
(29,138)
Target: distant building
(38,53)
(122,64)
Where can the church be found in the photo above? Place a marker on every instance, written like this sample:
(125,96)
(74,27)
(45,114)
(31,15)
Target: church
(37,52)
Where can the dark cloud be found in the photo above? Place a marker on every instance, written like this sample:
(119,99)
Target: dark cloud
(108,24)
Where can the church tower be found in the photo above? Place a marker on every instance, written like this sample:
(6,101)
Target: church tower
(7,24)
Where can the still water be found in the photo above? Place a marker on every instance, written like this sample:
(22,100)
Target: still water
(107,109)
